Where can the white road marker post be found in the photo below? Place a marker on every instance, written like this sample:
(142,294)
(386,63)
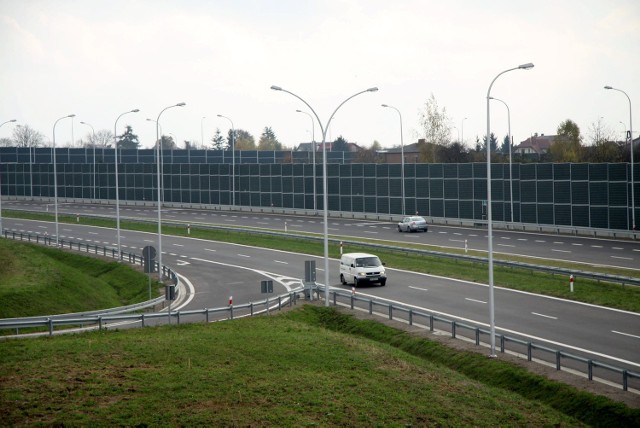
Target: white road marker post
(571,283)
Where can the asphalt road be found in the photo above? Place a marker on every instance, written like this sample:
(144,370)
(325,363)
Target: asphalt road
(580,250)
(220,270)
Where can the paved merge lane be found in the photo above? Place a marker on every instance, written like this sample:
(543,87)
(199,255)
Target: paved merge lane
(579,250)
(220,270)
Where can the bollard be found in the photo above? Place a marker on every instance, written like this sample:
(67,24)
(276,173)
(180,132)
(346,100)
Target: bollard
(466,246)
(340,247)
(77,218)
(285,226)
(571,283)
(188,229)
(230,300)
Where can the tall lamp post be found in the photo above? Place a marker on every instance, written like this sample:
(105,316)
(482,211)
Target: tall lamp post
(401,154)
(492,322)
(462,130)
(202,131)
(55,173)
(325,208)
(93,143)
(313,139)
(159,177)
(233,161)
(115,148)
(3,123)
(633,202)
(510,163)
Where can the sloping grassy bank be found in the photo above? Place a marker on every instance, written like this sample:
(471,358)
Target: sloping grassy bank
(36,280)
(308,366)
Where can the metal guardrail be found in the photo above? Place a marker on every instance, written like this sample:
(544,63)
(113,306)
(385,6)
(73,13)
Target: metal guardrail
(101,321)
(410,315)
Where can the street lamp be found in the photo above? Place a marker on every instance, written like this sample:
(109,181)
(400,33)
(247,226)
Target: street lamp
(462,130)
(151,120)
(93,142)
(489,219)
(8,121)
(159,175)
(233,161)
(624,128)
(115,148)
(401,154)
(324,180)
(633,202)
(313,138)
(55,173)
(202,131)
(510,163)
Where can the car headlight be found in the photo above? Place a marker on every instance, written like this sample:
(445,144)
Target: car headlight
(362,273)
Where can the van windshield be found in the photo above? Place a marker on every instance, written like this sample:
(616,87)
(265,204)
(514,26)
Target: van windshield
(368,262)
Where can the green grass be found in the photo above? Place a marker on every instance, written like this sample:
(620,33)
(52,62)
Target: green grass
(310,366)
(585,290)
(36,280)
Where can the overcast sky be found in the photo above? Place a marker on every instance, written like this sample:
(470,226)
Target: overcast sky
(98,59)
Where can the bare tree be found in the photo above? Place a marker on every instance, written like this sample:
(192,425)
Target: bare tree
(102,138)
(600,133)
(435,127)
(25,136)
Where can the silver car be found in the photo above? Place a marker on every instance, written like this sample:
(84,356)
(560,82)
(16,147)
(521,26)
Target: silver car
(413,224)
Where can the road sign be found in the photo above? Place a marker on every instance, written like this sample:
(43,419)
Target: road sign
(148,255)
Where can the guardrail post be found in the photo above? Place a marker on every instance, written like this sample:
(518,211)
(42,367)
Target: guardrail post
(529,351)
(390,311)
(370,307)
(558,356)
(50,326)
(100,323)
(351,301)
(279,303)
(453,329)
(231,311)
(178,316)
(267,306)
(477,336)
(143,320)
(590,369)
(410,316)
(625,380)
(502,343)
(430,322)
(251,309)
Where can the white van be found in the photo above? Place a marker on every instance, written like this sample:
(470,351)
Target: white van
(361,268)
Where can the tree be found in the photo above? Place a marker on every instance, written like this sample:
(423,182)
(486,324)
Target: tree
(504,148)
(103,138)
(493,143)
(567,146)
(243,140)
(340,145)
(6,142)
(128,140)
(369,155)
(435,127)
(25,136)
(167,143)
(268,140)
(218,141)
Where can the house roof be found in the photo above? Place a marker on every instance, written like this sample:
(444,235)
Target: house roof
(538,143)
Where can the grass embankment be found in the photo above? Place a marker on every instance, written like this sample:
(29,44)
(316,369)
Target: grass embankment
(308,366)
(36,280)
(594,292)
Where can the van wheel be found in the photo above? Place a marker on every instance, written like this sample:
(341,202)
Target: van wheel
(355,282)
(383,283)
(342,281)
(399,229)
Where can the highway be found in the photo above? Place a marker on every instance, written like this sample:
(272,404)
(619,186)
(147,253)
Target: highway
(220,270)
(580,250)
